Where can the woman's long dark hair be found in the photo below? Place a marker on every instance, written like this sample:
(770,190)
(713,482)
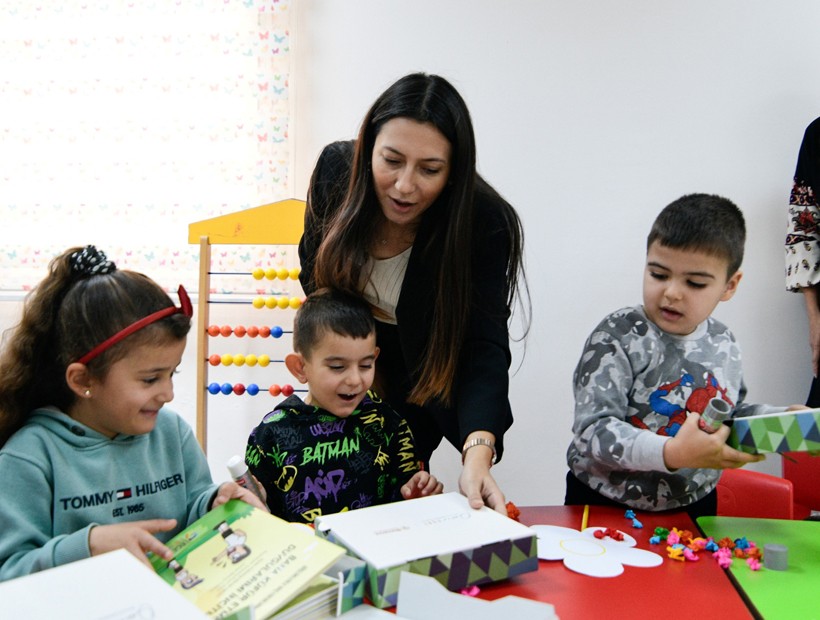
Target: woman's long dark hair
(344,251)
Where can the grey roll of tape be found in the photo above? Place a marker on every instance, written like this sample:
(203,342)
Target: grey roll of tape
(775,557)
(717,411)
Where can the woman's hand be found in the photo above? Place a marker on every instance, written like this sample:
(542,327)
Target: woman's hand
(421,485)
(231,490)
(137,537)
(813,314)
(475,481)
(692,447)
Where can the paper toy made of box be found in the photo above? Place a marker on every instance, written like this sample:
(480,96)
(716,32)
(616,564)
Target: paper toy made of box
(790,431)
(438,536)
(352,574)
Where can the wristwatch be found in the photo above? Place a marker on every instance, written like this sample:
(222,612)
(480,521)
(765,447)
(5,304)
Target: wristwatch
(479,441)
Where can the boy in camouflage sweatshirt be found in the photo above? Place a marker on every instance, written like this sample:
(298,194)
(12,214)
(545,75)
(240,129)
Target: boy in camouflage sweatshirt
(647,372)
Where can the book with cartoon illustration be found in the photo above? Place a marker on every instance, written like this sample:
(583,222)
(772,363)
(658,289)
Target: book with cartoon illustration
(238,557)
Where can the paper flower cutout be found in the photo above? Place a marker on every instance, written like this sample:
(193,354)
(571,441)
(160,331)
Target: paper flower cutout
(584,553)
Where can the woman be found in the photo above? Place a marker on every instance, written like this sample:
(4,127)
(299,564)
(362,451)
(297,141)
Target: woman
(803,242)
(401,217)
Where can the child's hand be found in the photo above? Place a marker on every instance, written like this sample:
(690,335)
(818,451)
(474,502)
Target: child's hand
(692,447)
(231,490)
(136,537)
(797,407)
(421,485)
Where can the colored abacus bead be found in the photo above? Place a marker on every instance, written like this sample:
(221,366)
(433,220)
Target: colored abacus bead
(271,303)
(253,331)
(295,302)
(226,388)
(213,330)
(227,359)
(276,331)
(283,302)
(239,359)
(258,273)
(226,330)
(250,359)
(258,302)
(264,331)
(214,388)
(282,273)
(270,273)
(294,273)
(263,360)
(239,331)
(238,389)
(274,390)
(287,390)
(253,389)
(215,359)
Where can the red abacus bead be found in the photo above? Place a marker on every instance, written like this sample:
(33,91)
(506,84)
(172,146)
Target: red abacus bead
(253,331)
(275,390)
(239,331)
(225,330)
(213,330)
(287,390)
(215,359)
(238,389)
(264,331)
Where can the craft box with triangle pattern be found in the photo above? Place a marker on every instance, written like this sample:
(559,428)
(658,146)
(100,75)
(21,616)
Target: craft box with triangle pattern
(438,536)
(790,431)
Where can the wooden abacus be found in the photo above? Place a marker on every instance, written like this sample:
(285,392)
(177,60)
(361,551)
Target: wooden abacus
(277,223)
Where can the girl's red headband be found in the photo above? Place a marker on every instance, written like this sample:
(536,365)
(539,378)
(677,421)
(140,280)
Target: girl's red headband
(185,308)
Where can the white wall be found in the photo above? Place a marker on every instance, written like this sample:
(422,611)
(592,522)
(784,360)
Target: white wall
(590,117)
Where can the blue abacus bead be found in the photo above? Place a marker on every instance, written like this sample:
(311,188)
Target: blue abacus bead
(276,331)
(226,388)
(214,388)
(252,389)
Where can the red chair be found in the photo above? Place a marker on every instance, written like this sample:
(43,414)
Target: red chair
(754,494)
(803,470)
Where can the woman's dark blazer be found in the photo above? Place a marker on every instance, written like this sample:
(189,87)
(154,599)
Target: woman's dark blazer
(480,398)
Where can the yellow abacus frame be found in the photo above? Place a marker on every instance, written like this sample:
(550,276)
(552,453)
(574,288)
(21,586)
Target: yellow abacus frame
(277,223)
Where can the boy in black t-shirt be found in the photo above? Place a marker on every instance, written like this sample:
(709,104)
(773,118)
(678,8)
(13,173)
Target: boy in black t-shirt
(342,447)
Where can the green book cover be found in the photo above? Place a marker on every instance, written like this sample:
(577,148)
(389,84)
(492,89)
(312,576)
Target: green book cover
(237,556)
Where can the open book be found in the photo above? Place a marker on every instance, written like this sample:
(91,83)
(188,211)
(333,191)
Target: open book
(789,431)
(238,557)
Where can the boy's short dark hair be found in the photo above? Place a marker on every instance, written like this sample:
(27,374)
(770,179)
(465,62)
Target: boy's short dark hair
(329,310)
(702,222)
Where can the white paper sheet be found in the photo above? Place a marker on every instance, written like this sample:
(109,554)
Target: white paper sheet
(111,586)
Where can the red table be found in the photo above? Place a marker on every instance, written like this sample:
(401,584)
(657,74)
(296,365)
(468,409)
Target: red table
(684,590)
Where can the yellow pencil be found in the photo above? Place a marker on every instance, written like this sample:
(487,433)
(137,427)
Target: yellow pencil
(585,518)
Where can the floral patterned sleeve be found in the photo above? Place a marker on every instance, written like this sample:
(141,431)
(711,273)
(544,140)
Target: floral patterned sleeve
(802,238)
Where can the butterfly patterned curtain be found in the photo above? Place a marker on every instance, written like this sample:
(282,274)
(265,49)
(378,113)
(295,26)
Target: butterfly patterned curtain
(124,121)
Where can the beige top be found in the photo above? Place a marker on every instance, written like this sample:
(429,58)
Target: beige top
(384,285)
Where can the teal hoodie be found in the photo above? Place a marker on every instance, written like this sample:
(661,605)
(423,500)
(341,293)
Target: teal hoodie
(59,478)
